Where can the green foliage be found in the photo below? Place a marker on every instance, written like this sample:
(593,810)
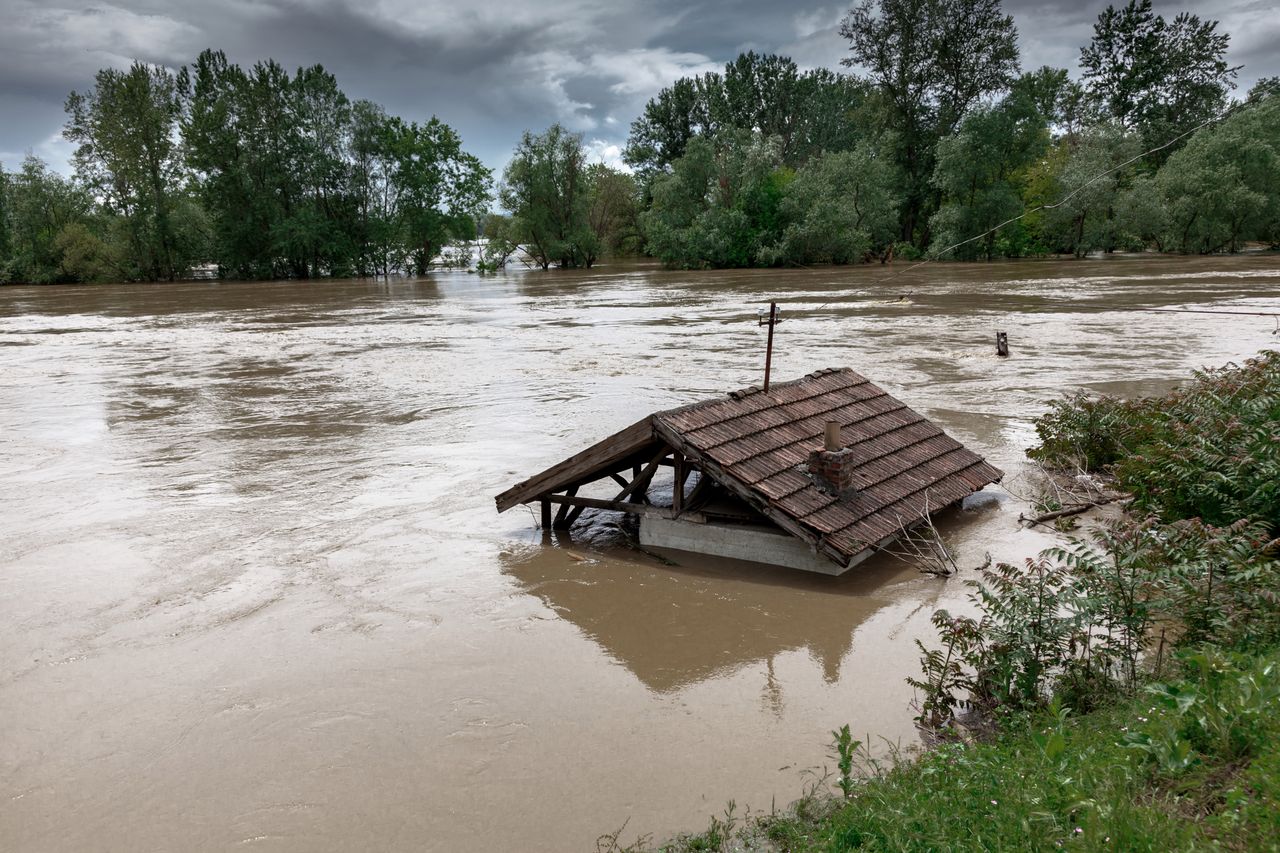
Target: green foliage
(1154,76)
(983,167)
(499,242)
(809,112)
(839,209)
(845,748)
(546,188)
(613,210)
(720,205)
(1223,187)
(297,181)
(930,61)
(1089,184)
(1209,450)
(439,189)
(732,202)
(40,205)
(1205,461)
(128,156)
(84,256)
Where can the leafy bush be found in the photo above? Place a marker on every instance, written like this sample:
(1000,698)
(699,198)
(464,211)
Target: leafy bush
(1209,451)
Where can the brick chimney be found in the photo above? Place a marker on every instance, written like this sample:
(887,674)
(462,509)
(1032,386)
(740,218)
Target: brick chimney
(832,467)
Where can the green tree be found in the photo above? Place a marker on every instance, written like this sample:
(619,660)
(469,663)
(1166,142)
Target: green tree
(1154,76)
(930,61)
(84,256)
(1141,217)
(127,155)
(613,210)
(546,190)
(499,244)
(721,204)
(269,150)
(1223,187)
(982,169)
(5,226)
(239,140)
(42,204)
(438,188)
(374,191)
(300,182)
(807,111)
(1087,188)
(840,208)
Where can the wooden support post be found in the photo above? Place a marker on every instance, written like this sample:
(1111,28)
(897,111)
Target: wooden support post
(546,514)
(562,517)
(1002,344)
(636,491)
(677,488)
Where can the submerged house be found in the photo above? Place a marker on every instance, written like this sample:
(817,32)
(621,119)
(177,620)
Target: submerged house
(814,474)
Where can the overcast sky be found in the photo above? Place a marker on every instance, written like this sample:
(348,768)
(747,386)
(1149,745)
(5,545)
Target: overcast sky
(491,68)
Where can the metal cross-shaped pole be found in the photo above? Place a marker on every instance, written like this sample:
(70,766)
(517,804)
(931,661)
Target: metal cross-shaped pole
(772,320)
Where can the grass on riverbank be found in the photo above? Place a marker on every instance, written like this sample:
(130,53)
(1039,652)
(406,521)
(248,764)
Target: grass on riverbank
(1090,738)
(1193,764)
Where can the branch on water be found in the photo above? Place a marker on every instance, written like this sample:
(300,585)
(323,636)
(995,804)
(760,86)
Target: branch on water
(1074,509)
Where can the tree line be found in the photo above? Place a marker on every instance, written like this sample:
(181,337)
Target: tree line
(933,138)
(246,173)
(938,137)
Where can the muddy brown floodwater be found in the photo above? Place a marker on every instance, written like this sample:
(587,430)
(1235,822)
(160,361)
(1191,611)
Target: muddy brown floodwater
(253,590)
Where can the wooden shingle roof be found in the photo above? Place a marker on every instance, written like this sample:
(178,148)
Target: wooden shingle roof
(906,464)
(757,445)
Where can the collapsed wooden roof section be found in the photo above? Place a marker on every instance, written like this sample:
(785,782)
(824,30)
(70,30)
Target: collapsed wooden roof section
(757,445)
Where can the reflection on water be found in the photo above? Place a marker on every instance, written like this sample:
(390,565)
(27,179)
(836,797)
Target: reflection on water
(673,626)
(253,590)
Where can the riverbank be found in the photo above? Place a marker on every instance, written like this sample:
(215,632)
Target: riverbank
(1122,693)
(1057,780)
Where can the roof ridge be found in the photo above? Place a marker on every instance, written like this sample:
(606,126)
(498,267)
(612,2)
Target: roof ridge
(743,393)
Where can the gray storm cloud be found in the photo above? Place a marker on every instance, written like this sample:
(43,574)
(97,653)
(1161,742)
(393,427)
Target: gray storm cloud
(494,68)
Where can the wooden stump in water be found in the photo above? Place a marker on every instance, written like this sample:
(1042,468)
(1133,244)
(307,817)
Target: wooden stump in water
(1002,344)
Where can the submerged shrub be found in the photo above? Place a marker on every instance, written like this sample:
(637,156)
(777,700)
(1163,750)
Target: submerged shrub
(1209,451)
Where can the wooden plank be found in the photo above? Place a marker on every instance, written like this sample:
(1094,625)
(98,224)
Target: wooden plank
(600,456)
(578,503)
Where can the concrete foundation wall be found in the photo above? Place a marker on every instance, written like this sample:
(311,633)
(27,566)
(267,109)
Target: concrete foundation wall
(752,544)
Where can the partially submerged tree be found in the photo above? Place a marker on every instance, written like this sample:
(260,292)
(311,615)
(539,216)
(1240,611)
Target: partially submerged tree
(300,182)
(42,206)
(1223,187)
(1088,186)
(720,206)
(613,210)
(127,154)
(546,189)
(839,209)
(982,169)
(439,188)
